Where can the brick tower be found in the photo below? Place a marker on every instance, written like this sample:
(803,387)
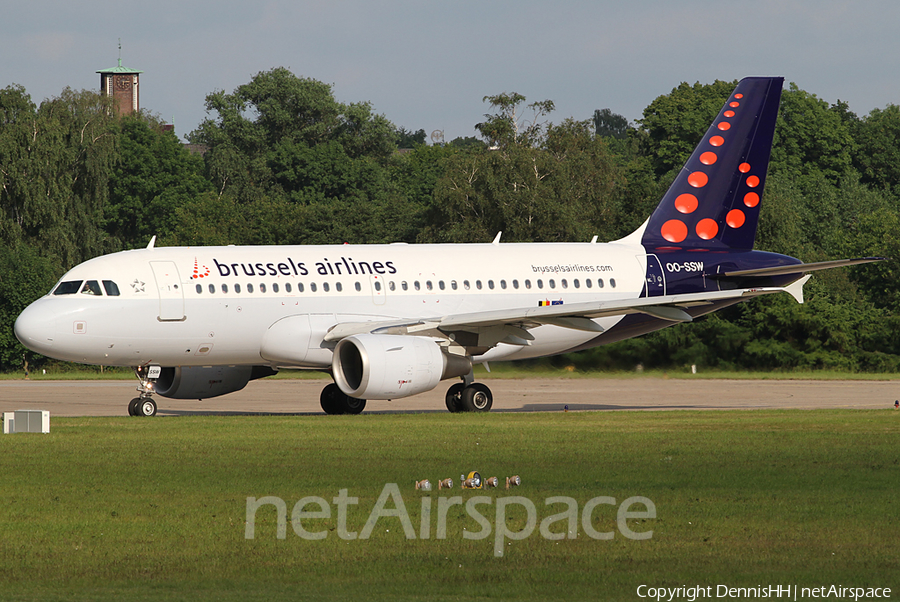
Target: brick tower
(122,84)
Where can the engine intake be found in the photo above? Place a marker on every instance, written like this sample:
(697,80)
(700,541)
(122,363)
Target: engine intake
(384,366)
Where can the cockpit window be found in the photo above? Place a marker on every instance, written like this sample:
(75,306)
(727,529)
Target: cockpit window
(69,287)
(91,287)
(112,289)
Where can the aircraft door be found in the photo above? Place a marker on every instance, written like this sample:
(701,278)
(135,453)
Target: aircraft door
(171,295)
(655,285)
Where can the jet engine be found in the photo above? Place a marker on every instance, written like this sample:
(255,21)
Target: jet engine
(383,366)
(203,382)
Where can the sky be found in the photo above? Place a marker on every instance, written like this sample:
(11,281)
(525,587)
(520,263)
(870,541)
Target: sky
(428,65)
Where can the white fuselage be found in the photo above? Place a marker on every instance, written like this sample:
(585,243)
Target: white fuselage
(185,306)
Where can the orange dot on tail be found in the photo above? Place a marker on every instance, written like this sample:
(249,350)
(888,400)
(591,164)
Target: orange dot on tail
(674,230)
(707,229)
(717,141)
(724,126)
(735,218)
(744,167)
(751,199)
(708,158)
(753,181)
(729,113)
(698,179)
(738,95)
(734,105)
(686,203)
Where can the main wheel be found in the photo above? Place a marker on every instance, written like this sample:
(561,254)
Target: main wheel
(476,398)
(147,407)
(453,399)
(331,399)
(352,405)
(133,406)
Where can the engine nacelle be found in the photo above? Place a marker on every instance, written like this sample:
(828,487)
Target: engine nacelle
(203,382)
(384,366)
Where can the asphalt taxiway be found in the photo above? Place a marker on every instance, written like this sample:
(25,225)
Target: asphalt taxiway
(301,396)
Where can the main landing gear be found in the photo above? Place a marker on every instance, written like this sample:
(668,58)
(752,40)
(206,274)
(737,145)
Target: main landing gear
(472,397)
(144,404)
(335,401)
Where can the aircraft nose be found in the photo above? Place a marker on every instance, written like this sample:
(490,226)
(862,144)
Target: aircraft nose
(36,327)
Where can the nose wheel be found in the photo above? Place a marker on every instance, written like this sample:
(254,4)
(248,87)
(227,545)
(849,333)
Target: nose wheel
(142,407)
(144,404)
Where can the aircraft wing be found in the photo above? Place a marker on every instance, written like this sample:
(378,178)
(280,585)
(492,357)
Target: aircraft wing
(511,325)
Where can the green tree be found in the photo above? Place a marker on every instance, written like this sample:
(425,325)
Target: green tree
(610,125)
(878,139)
(57,161)
(154,176)
(24,276)
(675,123)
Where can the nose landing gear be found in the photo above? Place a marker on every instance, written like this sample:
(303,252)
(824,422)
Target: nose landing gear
(144,404)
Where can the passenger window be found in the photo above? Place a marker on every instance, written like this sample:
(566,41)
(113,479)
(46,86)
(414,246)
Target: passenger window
(527,283)
(91,287)
(275,287)
(312,287)
(199,289)
(338,286)
(441,284)
(612,282)
(287,287)
(224,288)
(112,289)
(392,286)
(587,283)
(565,283)
(325,287)
(378,285)
(237,289)
(262,288)
(68,288)
(478,284)
(249,288)
(552,283)
(429,286)
(358,286)
(453,284)
(503,284)
(577,283)
(466,284)
(599,282)
(491,284)
(404,286)
(212,288)
(540,283)
(416,285)
(299,287)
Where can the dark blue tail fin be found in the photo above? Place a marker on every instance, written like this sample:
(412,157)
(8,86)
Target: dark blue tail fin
(714,202)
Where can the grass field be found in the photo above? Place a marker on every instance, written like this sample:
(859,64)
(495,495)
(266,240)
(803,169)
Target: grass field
(125,509)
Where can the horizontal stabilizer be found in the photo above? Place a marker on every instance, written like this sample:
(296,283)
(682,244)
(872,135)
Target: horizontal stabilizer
(799,268)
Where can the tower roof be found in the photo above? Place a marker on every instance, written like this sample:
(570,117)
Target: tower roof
(119,69)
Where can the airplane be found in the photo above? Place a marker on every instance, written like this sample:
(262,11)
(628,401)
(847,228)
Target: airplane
(390,321)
